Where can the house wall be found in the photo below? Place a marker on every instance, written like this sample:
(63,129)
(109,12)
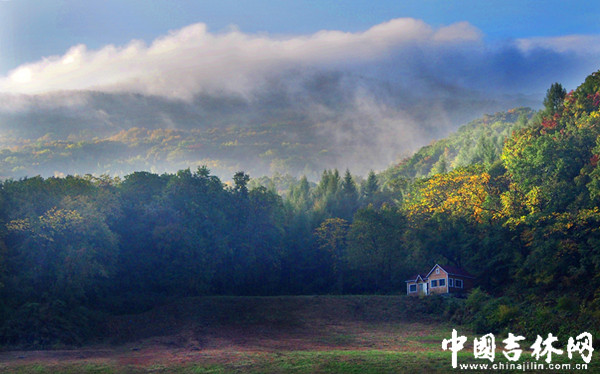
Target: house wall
(419,292)
(434,276)
(467,284)
(408,288)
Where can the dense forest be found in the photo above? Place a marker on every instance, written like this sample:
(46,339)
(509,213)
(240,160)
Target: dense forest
(513,198)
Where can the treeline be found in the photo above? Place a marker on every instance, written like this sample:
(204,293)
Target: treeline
(77,248)
(524,220)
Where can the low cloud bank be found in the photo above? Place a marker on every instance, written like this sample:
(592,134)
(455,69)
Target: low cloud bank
(376,95)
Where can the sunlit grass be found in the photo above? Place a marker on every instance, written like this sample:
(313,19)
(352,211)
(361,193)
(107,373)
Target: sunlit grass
(336,361)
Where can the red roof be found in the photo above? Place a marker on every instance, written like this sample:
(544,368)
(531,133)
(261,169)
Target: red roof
(453,270)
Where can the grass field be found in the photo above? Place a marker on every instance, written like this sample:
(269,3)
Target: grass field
(303,334)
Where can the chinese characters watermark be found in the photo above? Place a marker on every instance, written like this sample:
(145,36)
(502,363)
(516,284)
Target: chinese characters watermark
(485,347)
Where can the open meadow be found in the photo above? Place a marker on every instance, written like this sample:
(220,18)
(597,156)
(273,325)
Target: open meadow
(291,334)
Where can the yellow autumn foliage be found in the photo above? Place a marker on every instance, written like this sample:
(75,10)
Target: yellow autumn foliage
(459,192)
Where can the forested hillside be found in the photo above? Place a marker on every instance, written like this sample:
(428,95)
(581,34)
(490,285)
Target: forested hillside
(76,249)
(269,149)
(299,123)
(478,142)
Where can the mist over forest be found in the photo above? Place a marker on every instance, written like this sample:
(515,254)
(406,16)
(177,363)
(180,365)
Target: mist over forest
(299,124)
(268,104)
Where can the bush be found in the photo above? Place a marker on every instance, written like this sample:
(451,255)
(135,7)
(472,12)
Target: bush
(476,300)
(48,324)
(506,314)
(567,304)
(456,311)
(487,314)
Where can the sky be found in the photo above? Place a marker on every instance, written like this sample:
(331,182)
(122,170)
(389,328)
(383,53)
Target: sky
(33,29)
(42,32)
(386,75)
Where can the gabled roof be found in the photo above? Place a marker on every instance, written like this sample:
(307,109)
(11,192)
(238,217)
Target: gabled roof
(415,278)
(452,270)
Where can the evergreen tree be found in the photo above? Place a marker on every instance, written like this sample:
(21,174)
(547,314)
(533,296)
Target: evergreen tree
(299,195)
(370,188)
(555,96)
(348,197)
(327,194)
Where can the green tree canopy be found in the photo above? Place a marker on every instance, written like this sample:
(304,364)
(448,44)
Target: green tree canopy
(555,96)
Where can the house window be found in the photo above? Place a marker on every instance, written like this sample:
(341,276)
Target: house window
(459,283)
(412,288)
(442,282)
(450,282)
(434,283)
(437,271)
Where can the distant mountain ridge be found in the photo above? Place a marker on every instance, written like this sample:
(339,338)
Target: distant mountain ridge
(298,124)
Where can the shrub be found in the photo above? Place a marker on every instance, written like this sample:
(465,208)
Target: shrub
(48,324)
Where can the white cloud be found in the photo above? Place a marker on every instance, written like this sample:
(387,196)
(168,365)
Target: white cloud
(582,44)
(374,94)
(459,31)
(192,60)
